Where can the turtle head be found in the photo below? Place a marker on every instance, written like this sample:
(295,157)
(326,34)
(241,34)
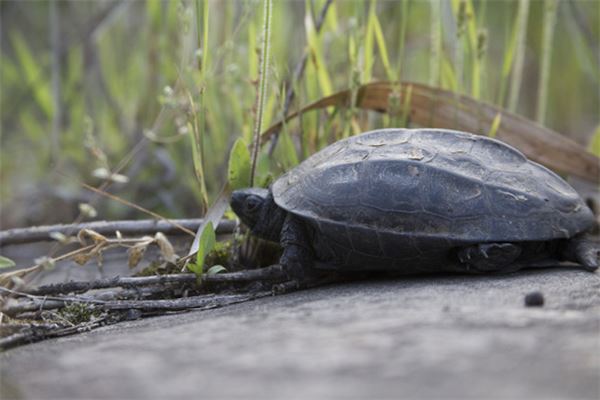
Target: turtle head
(248,204)
(258,211)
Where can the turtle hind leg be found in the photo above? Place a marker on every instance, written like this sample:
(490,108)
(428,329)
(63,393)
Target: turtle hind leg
(584,251)
(489,257)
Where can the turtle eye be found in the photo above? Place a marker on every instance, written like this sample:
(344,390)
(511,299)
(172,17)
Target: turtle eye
(252,204)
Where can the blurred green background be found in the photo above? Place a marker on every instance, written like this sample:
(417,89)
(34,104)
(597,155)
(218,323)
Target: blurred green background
(88,86)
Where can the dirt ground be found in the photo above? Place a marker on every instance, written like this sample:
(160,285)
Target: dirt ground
(425,337)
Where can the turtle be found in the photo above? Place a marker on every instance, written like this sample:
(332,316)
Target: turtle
(413,201)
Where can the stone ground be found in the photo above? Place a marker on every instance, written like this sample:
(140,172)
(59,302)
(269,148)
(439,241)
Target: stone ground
(425,337)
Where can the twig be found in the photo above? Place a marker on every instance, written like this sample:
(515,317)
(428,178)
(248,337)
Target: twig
(81,287)
(34,333)
(298,72)
(126,227)
(268,273)
(202,301)
(16,307)
(133,205)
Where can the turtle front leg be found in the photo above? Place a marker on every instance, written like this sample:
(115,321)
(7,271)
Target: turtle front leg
(298,258)
(584,251)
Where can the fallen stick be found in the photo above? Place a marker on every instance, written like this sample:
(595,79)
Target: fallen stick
(273,272)
(126,227)
(14,307)
(34,333)
(199,303)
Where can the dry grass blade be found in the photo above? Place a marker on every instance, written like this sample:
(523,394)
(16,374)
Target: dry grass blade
(439,108)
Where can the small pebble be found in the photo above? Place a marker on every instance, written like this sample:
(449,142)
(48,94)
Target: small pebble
(534,299)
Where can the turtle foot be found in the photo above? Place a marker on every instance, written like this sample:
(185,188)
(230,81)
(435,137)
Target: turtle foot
(583,251)
(489,257)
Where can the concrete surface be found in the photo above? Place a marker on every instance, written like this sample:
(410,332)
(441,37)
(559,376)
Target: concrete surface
(425,337)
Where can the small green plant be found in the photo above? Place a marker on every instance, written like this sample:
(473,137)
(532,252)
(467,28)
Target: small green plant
(206,244)
(6,262)
(79,313)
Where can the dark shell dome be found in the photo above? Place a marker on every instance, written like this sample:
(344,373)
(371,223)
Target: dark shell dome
(432,183)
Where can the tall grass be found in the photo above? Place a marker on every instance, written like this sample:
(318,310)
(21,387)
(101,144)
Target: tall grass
(111,68)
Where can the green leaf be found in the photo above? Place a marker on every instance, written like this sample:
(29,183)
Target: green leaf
(239,165)
(216,269)
(6,262)
(206,244)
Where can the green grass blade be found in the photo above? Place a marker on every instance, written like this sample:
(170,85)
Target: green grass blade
(239,165)
(517,73)
(380,39)
(594,146)
(495,125)
(406,107)
(32,71)
(459,10)
(205,245)
(205,52)
(448,78)
(436,43)
(472,37)
(369,44)
(403,24)
(550,11)
(196,129)
(314,43)
(262,85)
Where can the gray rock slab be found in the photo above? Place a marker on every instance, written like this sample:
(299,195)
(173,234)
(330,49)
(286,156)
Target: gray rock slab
(426,337)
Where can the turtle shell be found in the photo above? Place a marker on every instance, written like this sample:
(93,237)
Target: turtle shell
(432,184)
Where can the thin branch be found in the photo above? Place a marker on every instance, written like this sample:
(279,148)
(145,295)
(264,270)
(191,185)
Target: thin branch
(273,272)
(34,333)
(81,287)
(15,307)
(126,227)
(133,205)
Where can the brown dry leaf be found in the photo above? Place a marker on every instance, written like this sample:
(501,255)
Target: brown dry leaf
(166,248)
(136,253)
(438,108)
(83,258)
(91,234)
